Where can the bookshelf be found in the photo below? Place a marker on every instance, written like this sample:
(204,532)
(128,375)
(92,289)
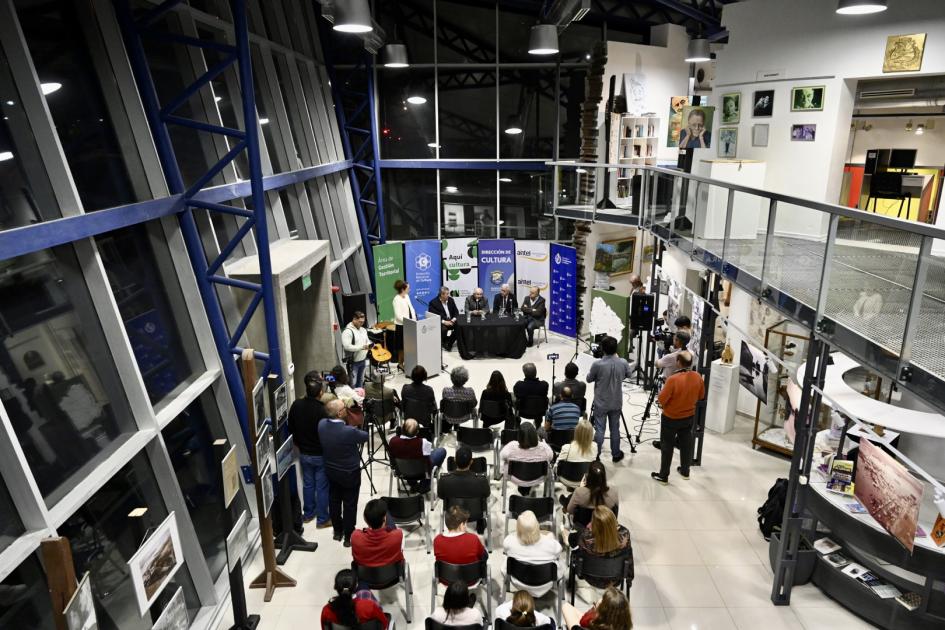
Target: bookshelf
(637,145)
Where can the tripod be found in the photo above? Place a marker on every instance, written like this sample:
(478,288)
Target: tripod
(657,385)
(375,424)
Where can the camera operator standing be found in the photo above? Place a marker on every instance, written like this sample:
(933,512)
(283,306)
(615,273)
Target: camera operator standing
(667,362)
(678,399)
(608,374)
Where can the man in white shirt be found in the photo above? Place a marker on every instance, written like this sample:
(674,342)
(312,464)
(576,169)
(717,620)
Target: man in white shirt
(355,343)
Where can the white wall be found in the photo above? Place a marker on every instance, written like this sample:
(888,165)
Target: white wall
(890,133)
(666,74)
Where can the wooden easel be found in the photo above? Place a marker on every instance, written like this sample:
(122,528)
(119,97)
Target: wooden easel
(272,577)
(60,576)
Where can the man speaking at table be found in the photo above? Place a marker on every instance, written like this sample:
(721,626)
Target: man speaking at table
(445,307)
(504,302)
(476,304)
(534,309)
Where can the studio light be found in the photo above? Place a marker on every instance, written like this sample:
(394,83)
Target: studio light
(49,88)
(5,155)
(698,50)
(416,99)
(394,56)
(543,40)
(353,16)
(860,7)
(513,126)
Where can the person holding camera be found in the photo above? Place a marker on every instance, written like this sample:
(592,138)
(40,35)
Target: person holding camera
(607,374)
(678,398)
(667,362)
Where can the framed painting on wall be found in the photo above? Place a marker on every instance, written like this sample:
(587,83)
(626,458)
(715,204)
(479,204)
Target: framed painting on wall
(731,107)
(728,142)
(759,135)
(808,98)
(615,257)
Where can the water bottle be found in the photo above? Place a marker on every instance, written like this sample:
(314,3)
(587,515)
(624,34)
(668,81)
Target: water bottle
(467,317)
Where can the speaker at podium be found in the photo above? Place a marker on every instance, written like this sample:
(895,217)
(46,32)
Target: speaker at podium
(422,344)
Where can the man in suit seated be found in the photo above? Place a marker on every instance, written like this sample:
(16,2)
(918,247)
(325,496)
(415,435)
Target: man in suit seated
(464,483)
(534,309)
(504,302)
(476,304)
(530,386)
(445,308)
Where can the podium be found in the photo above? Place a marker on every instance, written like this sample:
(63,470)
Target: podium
(422,344)
(722,397)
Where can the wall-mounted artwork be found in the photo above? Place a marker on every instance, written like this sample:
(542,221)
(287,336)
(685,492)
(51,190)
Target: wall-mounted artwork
(728,142)
(731,107)
(615,257)
(803,133)
(676,105)
(808,98)
(697,127)
(904,53)
(759,135)
(762,104)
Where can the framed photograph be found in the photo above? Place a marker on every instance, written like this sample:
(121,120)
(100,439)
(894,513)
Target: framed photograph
(762,104)
(753,371)
(728,142)
(759,135)
(259,404)
(676,105)
(809,98)
(282,405)
(696,132)
(237,541)
(174,615)
(231,476)
(803,133)
(889,492)
(284,457)
(268,494)
(904,53)
(80,611)
(262,450)
(615,257)
(155,563)
(731,108)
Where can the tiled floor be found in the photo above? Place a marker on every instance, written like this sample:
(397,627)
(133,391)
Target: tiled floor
(701,563)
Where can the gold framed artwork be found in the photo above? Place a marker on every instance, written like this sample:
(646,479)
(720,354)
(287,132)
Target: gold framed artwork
(904,53)
(615,257)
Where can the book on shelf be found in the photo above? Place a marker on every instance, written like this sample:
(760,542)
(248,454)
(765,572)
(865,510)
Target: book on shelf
(910,601)
(837,560)
(841,477)
(825,546)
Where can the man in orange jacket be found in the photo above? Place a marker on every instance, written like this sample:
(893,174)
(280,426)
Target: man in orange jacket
(678,399)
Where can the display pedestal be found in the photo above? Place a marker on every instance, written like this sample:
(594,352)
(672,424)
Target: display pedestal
(722,397)
(422,344)
(747,210)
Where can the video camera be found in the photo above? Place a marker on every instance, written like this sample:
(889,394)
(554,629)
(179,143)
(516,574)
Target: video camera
(662,333)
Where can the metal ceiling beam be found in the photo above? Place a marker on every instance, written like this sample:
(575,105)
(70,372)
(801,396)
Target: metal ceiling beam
(689,11)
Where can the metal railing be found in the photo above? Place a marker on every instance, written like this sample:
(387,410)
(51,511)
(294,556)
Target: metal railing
(866,283)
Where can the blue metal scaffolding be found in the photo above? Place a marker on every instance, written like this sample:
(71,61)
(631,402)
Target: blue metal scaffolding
(160,117)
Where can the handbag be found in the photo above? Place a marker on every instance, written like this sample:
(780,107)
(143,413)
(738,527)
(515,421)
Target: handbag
(355,415)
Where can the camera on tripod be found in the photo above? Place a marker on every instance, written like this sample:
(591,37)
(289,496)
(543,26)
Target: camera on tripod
(662,334)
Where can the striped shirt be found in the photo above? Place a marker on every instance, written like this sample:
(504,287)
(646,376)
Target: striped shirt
(563,415)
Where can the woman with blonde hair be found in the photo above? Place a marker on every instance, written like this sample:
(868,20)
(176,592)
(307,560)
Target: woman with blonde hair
(612,612)
(605,538)
(581,448)
(530,545)
(520,611)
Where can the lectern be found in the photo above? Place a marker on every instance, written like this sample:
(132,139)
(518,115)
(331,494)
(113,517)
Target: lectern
(422,344)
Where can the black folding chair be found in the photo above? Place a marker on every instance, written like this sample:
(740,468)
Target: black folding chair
(419,410)
(478,465)
(558,438)
(455,412)
(494,412)
(618,570)
(524,471)
(430,624)
(478,509)
(542,507)
(571,474)
(532,408)
(409,470)
(502,624)
(582,516)
(535,575)
(410,510)
(377,578)
(370,624)
(468,573)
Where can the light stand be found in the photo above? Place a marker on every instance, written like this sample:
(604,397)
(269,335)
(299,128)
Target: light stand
(551,393)
(654,390)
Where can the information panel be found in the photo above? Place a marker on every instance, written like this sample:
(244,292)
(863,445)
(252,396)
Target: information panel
(563,302)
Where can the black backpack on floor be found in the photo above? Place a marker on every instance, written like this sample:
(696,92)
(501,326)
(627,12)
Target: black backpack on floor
(771,513)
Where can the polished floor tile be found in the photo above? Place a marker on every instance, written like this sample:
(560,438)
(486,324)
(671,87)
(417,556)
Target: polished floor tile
(699,619)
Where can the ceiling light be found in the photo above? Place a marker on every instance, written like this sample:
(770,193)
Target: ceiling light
(505,179)
(49,88)
(416,99)
(543,40)
(860,7)
(698,50)
(433,145)
(394,56)
(513,126)
(5,155)
(919,129)
(263,121)
(353,16)
(10,103)
(451,189)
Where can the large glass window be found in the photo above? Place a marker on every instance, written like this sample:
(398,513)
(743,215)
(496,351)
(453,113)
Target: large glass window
(465,32)
(24,598)
(411,24)
(523,199)
(103,538)
(527,113)
(10,524)
(410,203)
(570,102)
(407,120)
(55,362)
(467,112)
(468,202)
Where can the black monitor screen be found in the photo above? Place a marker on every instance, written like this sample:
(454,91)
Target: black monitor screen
(902,158)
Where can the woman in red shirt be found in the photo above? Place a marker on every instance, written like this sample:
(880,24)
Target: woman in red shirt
(612,612)
(347,609)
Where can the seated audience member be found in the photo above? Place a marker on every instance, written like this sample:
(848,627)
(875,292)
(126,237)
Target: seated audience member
(464,483)
(496,391)
(530,545)
(459,607)
(527,448)
(372,391)
(408,445)
(520,611)
(578,388)
(593,492)
(605,538)
(342,390)
(581,448)
(418,390)
(612,612)
(457,546)
(377,545)
(348,607)
(459,376)
(530,386)
(564,414)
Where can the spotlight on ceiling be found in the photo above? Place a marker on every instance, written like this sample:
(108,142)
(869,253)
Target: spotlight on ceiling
(451,189)
(698,50)
(394,56)
(416,99)
(513,126)
(860,7)
(543,40)
(50,87)
(353,16)
(5,155)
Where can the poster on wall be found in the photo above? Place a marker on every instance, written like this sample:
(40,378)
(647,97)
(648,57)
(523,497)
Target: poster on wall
(388,268)
(80,611)
(696,130)
(422,260)
(699,311)
(904,53)
(531,268)
(674,298)
(174,615)
(731,108)
(563,303)
(676,105)
(753,371)
(762,104)
(155,563)
(496,265)
(889,492)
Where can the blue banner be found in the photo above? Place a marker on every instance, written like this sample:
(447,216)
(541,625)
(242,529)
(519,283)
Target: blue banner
(422,260)
(496,266)
(563,308)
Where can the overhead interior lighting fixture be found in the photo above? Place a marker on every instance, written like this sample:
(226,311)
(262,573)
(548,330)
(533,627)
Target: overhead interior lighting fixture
(5,155)
(505,179)
(513,126)
(416,99)
(50,87)
(451,189)
(920,129)
(698,50)
(263,121)
(860,7)
(543,40)
(353,16)
(394,56)
(433,145)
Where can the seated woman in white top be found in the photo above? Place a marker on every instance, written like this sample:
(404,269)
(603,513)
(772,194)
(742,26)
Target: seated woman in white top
(459,607)
(342,389)
(581,448)
(530,545)
(520,611)
(527,448)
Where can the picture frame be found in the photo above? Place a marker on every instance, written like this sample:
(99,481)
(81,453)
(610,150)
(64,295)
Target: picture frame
(155,563)
(731,108)
(268,493)
(237,541)
(727,142)
(759,135)
(230,469)
(695,130)
(762,104)
(79,612)
(803,133)
(285,456)
(262,450)
(281,414)
(174,615)
(904,53)
(615,256)
(259,405)
(808,98)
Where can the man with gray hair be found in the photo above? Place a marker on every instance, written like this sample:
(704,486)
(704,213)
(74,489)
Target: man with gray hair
(459,376)
(504,302)
(476,304)
(408,445)
(530,386)
(445,308)
(342,455)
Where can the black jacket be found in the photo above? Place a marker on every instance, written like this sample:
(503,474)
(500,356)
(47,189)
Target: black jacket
(510,303)
(436,307)
(421,393)
(530,387)
(304,416)
(473,304)
(463,484)
(534,309)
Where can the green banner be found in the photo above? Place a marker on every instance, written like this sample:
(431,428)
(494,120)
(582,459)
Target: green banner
(388,268)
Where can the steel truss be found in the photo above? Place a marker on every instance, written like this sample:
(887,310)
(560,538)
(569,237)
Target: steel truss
(138,25)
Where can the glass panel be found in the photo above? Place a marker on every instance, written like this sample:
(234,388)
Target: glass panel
(227,97)
(703,218)
(189,439)
(103,537)
(66,71)
(145,288)
(796,258)
(409,23)
(410,203)
(523,200)
(25,602)
(408,127)
(10,524)
(293,109)
(467,113)
(54,360)
(746,246)
(465,32)
(928,326)
(468,202)
(527,102)
(571,99)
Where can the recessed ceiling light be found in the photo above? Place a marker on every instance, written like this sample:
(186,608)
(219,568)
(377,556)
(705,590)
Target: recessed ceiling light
(5,155)
(416,100)
(50,87)
(860,7)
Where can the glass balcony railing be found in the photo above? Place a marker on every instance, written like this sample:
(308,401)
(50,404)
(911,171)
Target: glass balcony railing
(866,283)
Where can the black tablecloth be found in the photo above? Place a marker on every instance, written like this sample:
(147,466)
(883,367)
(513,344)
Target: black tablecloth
(499,336)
